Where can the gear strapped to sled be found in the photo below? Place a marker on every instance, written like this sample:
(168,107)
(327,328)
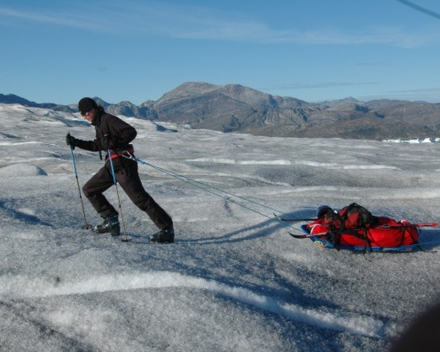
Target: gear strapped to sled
(354,227)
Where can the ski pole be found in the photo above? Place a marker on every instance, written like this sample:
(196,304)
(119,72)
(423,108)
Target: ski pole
(86,225)
(115,182)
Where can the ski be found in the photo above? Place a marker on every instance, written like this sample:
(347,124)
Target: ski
(308,235)
(419,224)
(294,220)
(405,248)
(121,238)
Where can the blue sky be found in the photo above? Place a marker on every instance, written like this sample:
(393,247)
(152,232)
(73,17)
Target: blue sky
(137,50)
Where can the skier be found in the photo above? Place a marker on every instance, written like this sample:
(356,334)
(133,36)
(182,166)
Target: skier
(114,135)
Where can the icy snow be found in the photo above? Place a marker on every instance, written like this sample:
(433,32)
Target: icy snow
(234,280)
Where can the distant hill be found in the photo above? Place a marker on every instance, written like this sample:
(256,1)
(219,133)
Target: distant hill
(235,108)
(14,99)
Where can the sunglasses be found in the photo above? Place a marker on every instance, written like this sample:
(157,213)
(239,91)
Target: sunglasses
(85,113)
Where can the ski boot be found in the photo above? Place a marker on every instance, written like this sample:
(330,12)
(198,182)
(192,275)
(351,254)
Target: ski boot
(166,235)
(110,225)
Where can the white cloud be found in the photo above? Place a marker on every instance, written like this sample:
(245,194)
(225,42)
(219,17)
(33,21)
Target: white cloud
(196,22)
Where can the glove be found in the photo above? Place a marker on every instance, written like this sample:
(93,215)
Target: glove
(71,141)
(106,143)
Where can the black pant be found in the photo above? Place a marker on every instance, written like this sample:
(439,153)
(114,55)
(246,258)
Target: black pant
(127,175)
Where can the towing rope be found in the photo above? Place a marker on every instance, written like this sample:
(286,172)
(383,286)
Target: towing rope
(207,188)
(228,196)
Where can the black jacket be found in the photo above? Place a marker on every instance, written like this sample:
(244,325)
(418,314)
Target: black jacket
(112,129)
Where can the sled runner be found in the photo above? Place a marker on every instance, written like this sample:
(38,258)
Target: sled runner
(355,228)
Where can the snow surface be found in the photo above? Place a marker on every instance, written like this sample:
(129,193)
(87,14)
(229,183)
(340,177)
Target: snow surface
(234,280)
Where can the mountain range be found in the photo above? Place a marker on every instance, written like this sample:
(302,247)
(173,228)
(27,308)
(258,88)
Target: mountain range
(235,108)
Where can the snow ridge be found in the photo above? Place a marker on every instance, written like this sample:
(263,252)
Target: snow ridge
(21,287)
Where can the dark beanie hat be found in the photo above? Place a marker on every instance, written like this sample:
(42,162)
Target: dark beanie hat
(86,104)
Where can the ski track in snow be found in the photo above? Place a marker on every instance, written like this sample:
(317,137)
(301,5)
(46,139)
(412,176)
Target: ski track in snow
(287,162)
(21,287)
(345,167)
(238,162)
